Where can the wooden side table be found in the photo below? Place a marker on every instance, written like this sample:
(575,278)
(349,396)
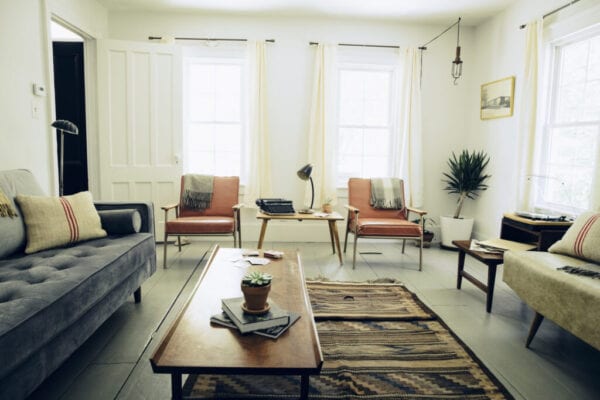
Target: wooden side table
(539,232)
(492,260)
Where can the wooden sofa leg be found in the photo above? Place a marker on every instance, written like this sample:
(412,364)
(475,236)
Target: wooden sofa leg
(537,321)
(137,295)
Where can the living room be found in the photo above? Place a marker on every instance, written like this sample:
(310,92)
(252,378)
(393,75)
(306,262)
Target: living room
(492,48)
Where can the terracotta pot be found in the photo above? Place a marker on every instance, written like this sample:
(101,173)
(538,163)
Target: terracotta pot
(327,208)
(256,296)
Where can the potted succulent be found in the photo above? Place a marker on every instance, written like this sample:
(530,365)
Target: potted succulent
(466,178)
(326,207)
(255,287)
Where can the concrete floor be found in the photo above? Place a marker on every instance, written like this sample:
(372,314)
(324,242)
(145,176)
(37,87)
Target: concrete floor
(114,362)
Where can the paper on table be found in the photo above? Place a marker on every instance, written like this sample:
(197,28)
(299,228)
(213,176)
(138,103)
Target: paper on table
(257,260)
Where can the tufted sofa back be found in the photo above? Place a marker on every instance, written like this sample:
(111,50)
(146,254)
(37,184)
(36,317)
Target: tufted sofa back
(12,230)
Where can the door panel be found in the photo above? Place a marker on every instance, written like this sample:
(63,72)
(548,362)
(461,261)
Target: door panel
(140,123)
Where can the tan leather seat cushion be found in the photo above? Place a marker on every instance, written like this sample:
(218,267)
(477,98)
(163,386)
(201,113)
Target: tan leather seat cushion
(200,225)
(386,227)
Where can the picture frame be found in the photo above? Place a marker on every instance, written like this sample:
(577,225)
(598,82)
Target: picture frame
(497,98)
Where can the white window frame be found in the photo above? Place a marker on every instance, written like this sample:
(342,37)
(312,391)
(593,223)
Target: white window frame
(235,59)
(392,114)
(543,179)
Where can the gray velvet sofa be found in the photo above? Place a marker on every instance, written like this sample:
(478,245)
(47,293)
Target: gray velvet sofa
(53,300)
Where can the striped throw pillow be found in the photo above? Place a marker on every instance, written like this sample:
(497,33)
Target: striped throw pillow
(58,221)
(582,239)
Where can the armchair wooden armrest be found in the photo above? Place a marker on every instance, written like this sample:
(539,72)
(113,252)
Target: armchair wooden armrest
(238,206)
(352,209)
(416,211)
(170,206)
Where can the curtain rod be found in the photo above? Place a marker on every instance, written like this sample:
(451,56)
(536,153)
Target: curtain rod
(361,45)
(424,47)
(554,11)
(208,39)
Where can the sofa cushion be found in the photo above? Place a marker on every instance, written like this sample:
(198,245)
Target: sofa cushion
(12,230)
(56,221)
(582,239)
(44,293)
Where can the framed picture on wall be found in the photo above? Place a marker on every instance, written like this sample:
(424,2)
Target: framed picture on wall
(497,98)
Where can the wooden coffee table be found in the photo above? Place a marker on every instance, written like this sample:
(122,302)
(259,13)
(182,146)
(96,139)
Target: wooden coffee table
(193,346)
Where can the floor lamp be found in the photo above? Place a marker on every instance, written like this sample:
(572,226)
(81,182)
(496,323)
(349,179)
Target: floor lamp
(304,174)
(63,126)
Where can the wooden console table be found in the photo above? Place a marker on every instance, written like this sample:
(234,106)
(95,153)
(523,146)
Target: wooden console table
(539,232)
(329,218)
(193,346)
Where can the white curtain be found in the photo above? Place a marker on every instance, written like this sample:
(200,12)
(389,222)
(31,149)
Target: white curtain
(407,157)
(322,133)
(259,162)
(529,115)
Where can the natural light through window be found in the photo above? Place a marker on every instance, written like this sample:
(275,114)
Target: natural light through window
(364,131)
(214,117)
(572,130)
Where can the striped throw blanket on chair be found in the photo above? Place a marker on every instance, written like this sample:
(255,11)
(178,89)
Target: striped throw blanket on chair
(386,193)
(197,191)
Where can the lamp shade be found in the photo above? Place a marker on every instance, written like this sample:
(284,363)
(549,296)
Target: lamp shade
(304,172)
(66,126)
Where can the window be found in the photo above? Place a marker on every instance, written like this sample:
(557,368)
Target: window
(214,119)
(571,145)
(364,121)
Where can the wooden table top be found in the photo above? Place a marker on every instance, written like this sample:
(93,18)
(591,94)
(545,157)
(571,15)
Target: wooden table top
(193,345)
(536,222)
(299,216)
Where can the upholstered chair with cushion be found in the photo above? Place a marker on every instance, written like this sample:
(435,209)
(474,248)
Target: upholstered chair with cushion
(366,221)
(222,217)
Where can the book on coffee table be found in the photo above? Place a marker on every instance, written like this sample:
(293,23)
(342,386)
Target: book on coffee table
(246,322)
(273,332)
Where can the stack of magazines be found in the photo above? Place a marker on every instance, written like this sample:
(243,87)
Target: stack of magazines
(271,324)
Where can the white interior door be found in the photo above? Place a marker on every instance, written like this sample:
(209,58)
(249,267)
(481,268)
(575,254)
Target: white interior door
(140,135)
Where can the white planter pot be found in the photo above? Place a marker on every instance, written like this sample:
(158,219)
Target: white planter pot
(455,229)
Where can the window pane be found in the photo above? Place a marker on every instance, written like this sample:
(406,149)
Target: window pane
(376,143)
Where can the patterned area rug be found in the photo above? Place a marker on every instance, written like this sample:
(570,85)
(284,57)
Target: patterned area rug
(381,344)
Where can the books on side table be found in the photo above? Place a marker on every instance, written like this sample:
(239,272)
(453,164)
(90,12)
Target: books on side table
(271,324)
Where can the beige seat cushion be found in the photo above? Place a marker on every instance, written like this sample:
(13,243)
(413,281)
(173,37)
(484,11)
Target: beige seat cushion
(582,239)
(57,221)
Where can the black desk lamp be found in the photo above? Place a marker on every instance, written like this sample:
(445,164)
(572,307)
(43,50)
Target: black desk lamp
(304,174)
(63,126)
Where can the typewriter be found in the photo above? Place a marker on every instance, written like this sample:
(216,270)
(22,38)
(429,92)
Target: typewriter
(276,206)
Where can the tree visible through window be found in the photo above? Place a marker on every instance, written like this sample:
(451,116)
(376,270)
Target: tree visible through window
(571,148)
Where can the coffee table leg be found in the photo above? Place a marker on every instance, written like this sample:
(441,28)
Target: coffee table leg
(490,287)
(461,267)
(263,229)
(176,389)
(304,387)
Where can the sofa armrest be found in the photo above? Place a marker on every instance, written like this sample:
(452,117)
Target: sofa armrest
(146,210)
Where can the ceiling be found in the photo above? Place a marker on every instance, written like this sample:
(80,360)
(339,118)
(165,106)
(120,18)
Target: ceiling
(422,11)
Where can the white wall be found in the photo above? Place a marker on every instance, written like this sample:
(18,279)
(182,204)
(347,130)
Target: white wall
(27,140)
(500,46)
(290,65)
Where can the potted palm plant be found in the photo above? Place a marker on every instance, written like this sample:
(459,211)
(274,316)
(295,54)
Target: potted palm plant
(466,179)
(255,287)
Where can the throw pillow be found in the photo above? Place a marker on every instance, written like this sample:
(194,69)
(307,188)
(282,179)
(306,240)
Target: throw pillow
(121,222)
(582,239)
(57,221)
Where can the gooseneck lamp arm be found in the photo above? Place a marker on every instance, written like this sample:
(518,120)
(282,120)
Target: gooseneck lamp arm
(63,126)
(304,174)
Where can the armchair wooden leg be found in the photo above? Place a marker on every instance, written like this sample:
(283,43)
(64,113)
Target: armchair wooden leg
(165,251)
(403,245)
(179,242)
(421,255)
(239,238)
(537,321)
(354,251)
(235,239)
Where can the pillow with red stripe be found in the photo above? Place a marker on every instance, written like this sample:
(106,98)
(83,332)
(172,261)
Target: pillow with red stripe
(582,239)
(58,221)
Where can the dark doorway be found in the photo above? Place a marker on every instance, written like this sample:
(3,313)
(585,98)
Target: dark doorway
(69,89)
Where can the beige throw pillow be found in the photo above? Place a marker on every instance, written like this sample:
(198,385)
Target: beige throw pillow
(582,239)
(57,221)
